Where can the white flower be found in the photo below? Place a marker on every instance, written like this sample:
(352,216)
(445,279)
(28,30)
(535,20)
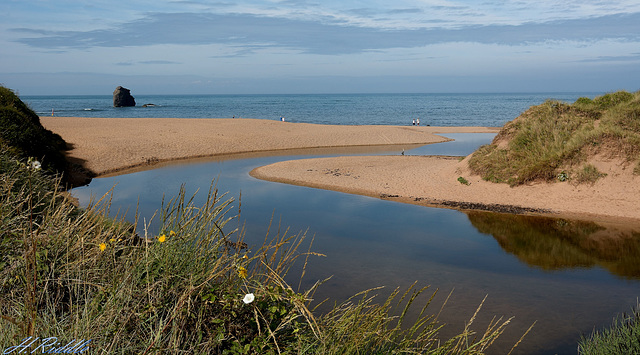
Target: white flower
(248,298)
(35,165)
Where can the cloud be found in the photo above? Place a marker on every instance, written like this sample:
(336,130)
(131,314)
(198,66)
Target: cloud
(147,62)
(243,51)
(203,3)
(634,57)
(158,62)
(406,11)
(247,30)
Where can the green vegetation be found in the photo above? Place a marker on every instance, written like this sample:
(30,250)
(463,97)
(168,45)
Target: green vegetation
(555,140)
(193,288)
(588,174)
(463,181)
(622,338)
(24,136)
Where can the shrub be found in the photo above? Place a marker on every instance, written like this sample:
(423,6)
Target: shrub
(22,133)
(610,100)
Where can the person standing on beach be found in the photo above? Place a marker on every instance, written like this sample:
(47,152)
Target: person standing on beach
(418,121)
(414,121)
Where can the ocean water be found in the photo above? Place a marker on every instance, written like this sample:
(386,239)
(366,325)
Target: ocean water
(341,109)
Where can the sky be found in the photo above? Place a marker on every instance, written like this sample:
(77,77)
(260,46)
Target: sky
(60,47)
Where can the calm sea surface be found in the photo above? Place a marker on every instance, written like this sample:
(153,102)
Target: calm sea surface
(343,109)
(568,276)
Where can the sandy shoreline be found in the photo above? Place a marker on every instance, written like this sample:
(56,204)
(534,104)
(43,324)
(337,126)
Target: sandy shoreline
(433,181)
(110,145)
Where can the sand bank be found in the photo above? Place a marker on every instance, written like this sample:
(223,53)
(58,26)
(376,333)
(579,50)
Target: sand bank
(108,145)
(433,181)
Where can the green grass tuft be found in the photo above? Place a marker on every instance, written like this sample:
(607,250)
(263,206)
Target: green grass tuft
(463,181)
(623,337)
(588,174)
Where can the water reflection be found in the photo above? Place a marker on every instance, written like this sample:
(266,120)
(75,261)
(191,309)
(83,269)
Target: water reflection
(555,243)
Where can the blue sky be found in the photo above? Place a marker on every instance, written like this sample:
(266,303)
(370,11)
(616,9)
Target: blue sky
(313,46)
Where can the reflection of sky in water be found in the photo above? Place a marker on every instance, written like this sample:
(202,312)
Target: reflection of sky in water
(463,144)
(370,242)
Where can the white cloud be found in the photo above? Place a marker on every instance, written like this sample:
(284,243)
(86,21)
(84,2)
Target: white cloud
(320,38)
(214,40)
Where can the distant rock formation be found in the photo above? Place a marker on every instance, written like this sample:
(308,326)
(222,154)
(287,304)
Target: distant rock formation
(122,97)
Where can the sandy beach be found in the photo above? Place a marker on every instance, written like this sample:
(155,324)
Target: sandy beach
(110,145)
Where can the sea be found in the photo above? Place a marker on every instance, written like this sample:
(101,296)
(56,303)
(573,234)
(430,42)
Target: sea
(492,110)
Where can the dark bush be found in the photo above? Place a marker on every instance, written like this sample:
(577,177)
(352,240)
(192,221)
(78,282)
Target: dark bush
(24,135)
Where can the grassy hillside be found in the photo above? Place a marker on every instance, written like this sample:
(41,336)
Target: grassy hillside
(23,135)
(558,141)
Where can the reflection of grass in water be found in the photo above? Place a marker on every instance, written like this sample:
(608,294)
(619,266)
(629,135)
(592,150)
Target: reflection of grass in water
(553,244)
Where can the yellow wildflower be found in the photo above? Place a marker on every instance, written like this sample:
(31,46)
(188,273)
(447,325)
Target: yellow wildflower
(172,234)
(112,240)
(162,238)
(103,246)
(242,272)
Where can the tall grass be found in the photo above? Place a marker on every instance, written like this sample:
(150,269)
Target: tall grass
(557,139)
(622,338)
(193,288)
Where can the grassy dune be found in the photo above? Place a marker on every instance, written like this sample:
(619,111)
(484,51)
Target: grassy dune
(559,141)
